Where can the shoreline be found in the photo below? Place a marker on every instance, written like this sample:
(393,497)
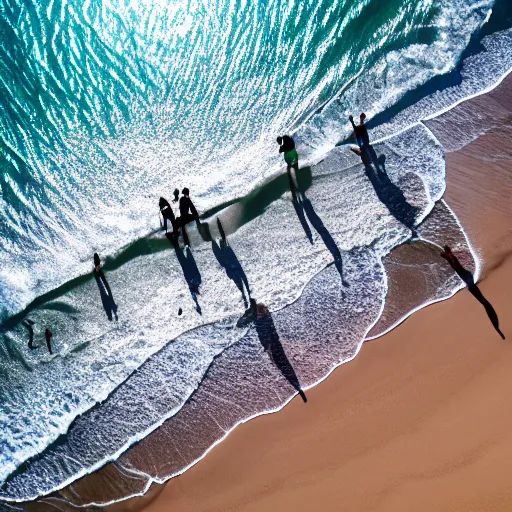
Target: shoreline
(495,265)
(157,488)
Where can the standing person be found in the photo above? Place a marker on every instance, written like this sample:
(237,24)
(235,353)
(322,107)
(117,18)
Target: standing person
(105,292)
(287,146)
(363,140)
(48,335)
(365,151)
(168,215)
(188,213)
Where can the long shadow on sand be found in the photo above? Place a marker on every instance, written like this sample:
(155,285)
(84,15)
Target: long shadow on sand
(303,206)
(228,260)
(299,207)
(467,277)
(326,237)
(269,339)
(190,270)
(387,192)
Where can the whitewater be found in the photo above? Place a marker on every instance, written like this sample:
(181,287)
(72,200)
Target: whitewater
(310,263)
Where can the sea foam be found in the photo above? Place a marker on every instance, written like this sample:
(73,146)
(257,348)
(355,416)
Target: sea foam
(343,211)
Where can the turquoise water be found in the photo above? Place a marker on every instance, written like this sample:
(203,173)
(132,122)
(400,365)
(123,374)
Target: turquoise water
(105,107)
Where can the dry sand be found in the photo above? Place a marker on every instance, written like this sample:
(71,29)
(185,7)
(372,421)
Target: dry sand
(421,419)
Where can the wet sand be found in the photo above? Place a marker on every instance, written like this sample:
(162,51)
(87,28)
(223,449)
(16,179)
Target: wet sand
(420,420)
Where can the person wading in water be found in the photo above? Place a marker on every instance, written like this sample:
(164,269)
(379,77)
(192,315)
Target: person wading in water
(188,213)
(168,215)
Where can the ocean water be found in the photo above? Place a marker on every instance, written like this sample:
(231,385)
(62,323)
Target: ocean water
(108,105)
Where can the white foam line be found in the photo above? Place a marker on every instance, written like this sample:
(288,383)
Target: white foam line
(134,439)
(445,109)
(326,103)
(476,277)
(470,97)
(421,306)
(152,480)
(478,265)
(439,112)
(95,401)
(487,18)
(399,132)
(428,117)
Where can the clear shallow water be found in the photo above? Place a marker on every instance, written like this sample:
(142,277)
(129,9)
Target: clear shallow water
(107,105)
(274,250)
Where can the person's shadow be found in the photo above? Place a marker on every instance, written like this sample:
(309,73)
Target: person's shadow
(467,277)
(299,208)
(387,192)
(228,260)
(107,299)
(326,237)
(269,339)
(190,271)
(28,324)
(303,205)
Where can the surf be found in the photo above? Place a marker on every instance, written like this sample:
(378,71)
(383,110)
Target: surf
(115,358)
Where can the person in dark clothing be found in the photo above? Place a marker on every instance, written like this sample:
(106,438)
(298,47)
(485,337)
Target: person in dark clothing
(105,292)
(48,335)
(467,277)
(187,208)
(188,213)
(168,215)
(176,195)
(365,149)
(363,140)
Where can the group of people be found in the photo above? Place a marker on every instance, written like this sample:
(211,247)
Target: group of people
(188,213)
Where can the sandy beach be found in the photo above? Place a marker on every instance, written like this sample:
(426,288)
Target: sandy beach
(420,420)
